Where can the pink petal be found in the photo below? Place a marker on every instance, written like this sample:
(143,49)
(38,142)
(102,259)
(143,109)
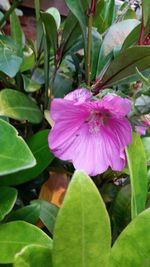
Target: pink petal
(116,105)
(79,95)
(141,130)
(67,120)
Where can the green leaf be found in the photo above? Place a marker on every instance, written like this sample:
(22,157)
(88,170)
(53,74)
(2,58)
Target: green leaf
(71,33)
(132,248)
(95,49)
(30,85)
(38,144)
(50,29)
(15,154)
(56,15)
(29,213)
(146,143)
(124,65)
(28,60)
(16,235)
(85,238)
(10,56)
(120,210)
(18,106)
(116,35)
(138,174)
(16,30)
(8,198)
(32,256)
(48,214)
(146,12)
(103,18)
(79,9)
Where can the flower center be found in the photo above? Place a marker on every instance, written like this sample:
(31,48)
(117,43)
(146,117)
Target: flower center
(96,120)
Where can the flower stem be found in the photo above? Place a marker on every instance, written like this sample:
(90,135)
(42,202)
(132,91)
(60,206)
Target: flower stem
(90,14)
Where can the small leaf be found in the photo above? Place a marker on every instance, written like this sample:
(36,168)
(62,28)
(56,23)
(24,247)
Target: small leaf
(32,256)
(15,154)
(85,238)
(138,174)
(17,105)
(30,85)
(8,198)
(10,56)
(16,235)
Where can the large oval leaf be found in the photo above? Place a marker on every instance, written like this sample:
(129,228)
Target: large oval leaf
(33,256)
(85,238)
(18,106)
(8,198)
(38,144)
(15,154)
(10,56)
(132,248)
(137,163)
(16,235)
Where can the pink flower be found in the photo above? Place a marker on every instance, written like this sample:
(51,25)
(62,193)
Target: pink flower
(90,134)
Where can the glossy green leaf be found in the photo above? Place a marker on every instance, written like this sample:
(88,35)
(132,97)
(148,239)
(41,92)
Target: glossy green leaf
(10,56)
(15,154)
(132,248)
(19,106)
(8,198)
(16,235)
(138,174)
(29,213)
(16,30)
(33,256)
(38,144)
(82,230)
(124,65)
(103,18)
(146,143)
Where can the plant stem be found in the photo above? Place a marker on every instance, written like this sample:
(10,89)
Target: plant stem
(7,14)
(90,14)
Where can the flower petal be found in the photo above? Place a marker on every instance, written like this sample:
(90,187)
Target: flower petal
(79,95)
(67,120)
(116,105)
